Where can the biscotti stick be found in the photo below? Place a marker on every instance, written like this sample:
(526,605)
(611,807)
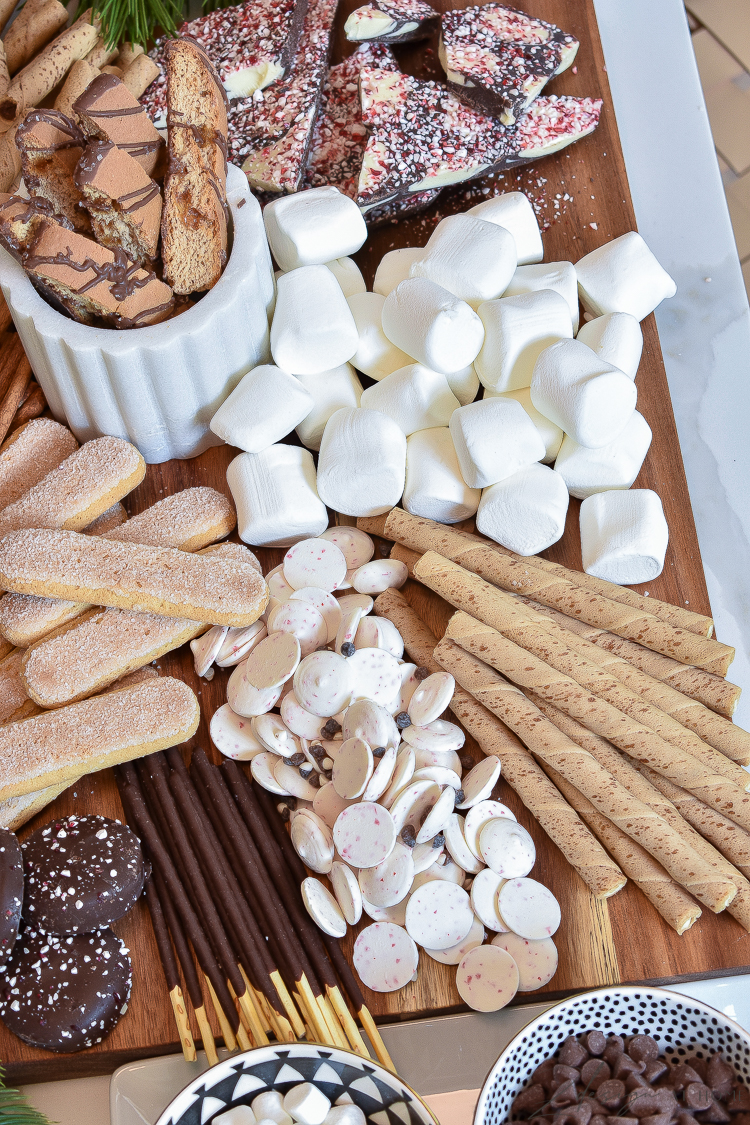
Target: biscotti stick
(58,746)
(188,520)
(639,782)
(10,160)
(80,77)
(519,576)
(32,29)
(713,729)
(29,454)
(82,568)
(596,714)
(563,826)
(554,748)
(32,84)
(678,909)
(554,646)
(79,489)
(14,699)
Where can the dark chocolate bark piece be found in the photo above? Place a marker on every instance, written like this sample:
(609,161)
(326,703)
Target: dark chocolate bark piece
(422,137)
(498,59)
(251,46)
(65,993)
(391,21)
(11,892)
(82,873)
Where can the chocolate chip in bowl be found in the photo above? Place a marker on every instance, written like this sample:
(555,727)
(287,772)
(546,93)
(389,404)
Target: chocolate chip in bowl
(622,1056)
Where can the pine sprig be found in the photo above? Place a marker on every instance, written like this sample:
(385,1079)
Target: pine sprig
(136,20)
(15,1109)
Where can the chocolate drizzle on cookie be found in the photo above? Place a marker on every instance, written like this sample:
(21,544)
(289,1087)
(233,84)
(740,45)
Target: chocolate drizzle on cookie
(120,274)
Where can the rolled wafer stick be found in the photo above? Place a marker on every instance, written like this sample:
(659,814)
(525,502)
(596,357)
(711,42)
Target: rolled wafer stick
(32,406)
(12,400)
(178,912)
(139,75)
(713,729)
(518,575)
(252,817)
(100,54)
(82,568)
(678,909)
(29,454)
(580,767)
(297,873)
(127,53)
(35,25)
(7,8)
(38,79)
(171,973)
(80,77)
(4,72)
(557,649)
(561,823)
(10,159)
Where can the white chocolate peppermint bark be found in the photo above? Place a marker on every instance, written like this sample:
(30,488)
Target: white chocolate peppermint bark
(422,137)
(250,45)
(498,59)
(391,21)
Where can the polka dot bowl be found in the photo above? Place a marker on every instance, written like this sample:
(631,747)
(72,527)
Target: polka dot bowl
(382,1096)
(682,1027)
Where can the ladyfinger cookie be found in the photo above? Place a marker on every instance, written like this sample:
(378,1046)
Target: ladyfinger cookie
(58,746)
(162,580)
(83,486)
(187,520)
(29,454)
(14,699)
(107,521)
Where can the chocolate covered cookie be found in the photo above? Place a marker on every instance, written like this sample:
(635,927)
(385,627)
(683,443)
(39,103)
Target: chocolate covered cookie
(82,873)
(65,993)
(11,892)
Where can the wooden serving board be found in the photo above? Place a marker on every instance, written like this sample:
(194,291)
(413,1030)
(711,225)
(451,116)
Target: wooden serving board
(583,198)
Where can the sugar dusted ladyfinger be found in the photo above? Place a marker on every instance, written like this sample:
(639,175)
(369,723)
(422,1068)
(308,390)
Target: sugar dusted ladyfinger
(58,746)
(14,699)
(29,454)
(81,568)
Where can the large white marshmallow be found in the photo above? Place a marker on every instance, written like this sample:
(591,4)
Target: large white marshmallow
(375,356)
(516,332)
(427,322)
(434,488)
(414,397)
(464,384)
(312,227)
(313,328)
(348,274)
(549,432)
(469,257)
(494,438)
(264,407)
(330,390)
(276,498)
(525,512)
(586,471)
(589,399)
(362,462)
(394,268)
(623,276)
(624,536)
(616,337)
(513,211)
(559,276)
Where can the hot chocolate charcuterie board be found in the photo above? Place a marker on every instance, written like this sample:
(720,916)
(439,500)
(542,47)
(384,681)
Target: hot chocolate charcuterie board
(582,201)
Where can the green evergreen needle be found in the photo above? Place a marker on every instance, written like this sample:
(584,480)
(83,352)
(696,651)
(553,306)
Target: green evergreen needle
(15,1109)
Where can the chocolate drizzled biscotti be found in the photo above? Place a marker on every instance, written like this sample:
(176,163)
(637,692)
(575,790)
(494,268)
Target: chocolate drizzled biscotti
(194,217)
(19,220)
(107,111)
(123,201)
(51,145)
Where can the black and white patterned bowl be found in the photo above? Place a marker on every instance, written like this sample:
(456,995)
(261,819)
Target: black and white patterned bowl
(682,1027)
(383,1097)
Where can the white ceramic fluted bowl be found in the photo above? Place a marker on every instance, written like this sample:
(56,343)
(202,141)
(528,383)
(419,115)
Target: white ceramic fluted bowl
(681,1025)
(157,387)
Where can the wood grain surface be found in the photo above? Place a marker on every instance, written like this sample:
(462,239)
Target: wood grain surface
(582,196)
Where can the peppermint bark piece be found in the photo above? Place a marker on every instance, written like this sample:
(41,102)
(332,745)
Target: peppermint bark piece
(391,21)
(422,137)
(251,46)
(270,134)
(498,59)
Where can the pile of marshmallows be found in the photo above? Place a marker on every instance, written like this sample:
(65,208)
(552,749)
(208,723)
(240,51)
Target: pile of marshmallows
(382,806)
(472,306)
(305,1104)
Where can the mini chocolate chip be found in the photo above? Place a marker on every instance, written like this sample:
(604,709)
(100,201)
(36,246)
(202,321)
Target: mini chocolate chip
(402,720)
(594,1072)
(573,1115)
(594,1042)
(571,1052)
(438,841)
(330,729)
(284,811)
(655,1069)
(697,1096)
(611,1093)
(460,797)
(408,835)
(467,762)
(643,1047)
(378,752)
(719,1076)
(421,673)
(347,649)
(306,770)
(565,1094)
(533,1097)
(739,1099)
(297,759)
(317,751)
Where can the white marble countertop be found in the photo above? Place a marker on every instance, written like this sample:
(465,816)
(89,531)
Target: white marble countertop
(705,335)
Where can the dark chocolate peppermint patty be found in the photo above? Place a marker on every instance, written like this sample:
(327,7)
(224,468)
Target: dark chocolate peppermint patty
(65,993)
(82,873)
(11,892)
